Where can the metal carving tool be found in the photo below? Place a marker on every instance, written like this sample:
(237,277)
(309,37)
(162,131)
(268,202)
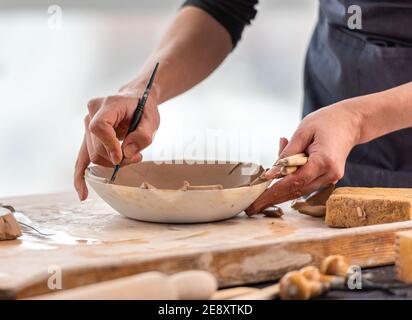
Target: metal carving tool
(137,116)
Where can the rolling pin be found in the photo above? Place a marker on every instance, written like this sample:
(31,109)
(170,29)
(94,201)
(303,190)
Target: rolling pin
(193,284)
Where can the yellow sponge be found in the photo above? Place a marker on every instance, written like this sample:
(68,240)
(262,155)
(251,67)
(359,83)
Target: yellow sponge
(355,207)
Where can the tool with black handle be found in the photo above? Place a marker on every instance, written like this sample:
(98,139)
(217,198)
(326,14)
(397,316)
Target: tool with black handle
(137,115)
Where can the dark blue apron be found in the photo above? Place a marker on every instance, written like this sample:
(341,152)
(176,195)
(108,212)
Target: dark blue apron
(343,63)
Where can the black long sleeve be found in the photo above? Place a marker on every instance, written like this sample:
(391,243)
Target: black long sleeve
(233,15)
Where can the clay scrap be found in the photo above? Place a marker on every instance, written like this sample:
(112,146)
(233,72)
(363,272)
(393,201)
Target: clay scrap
(9,227)
(273,212)
(354,207)
(314,204)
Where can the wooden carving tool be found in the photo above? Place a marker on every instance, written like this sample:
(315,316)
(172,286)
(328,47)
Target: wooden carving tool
(296,160)
(288,165)
(306,283)
(288,170)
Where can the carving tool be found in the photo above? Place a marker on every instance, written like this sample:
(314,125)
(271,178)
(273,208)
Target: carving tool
(286,166)
(137,115)
(296,160)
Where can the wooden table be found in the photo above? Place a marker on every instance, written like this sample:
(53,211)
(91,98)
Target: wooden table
(93,243)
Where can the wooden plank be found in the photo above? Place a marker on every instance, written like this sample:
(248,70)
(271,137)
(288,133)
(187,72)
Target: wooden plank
(93,243)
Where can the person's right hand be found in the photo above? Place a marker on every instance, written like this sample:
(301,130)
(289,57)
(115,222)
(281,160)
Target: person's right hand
(327,136)
(106,124)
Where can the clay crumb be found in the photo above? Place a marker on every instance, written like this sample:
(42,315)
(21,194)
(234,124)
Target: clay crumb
(314,204)
(313,211)
(147,185)
(9,227)
(187,186)
(273,212)
(361,213)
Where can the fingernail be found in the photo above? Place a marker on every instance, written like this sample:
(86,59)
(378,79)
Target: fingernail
(130,150)
(113,158)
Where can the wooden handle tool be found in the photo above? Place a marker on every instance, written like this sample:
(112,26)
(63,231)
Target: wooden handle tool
(290,164)
(308,282)
(296,160)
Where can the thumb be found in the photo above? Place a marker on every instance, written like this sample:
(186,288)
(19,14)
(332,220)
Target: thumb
(298,144)
(136,141)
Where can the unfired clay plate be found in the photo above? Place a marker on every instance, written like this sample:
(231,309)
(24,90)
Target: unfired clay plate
(179,192)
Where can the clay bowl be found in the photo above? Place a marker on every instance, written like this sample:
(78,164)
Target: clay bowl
(178,192)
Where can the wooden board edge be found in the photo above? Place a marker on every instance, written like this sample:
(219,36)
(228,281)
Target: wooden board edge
(238,266)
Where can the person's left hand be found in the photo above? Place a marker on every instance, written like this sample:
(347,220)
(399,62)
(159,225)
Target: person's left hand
(326,136)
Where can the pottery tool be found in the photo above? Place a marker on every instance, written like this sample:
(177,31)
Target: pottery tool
(294,281)
(137,115)
(291,164)
(303,284)
(186,285)
(311,282)
(293,161)
(286,166)
(334,272)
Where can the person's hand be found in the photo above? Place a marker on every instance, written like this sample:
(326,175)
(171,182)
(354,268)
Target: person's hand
(326,136)
(106,124)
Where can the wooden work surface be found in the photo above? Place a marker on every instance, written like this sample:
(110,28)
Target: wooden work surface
(93,243)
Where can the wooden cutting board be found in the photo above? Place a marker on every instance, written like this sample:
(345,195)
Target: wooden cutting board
(93,243)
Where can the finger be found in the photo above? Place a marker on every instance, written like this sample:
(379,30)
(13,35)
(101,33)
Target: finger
(283,142)
(135,159)
(102,126)
(99,160)
(298,144)
(82,163)
(97,152)
(274,172)
(93,155)
(262,203)
(144,134)
(136,141)
(290,187)
(318,183)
